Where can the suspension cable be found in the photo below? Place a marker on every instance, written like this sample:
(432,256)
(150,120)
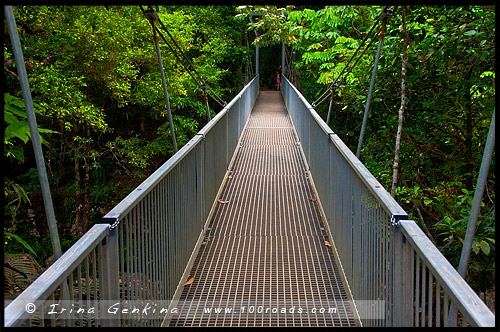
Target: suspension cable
(171,49)
(347,65)
(384,17)
(336,83)
(151,14)
(215,96)
(247,51)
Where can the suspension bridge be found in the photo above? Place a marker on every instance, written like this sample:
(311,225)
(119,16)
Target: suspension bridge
(264,218)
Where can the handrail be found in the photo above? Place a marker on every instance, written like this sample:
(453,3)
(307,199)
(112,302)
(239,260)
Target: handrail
(464,297)
(15,313)
(142,248)
(382,255)
(143,189)
(138,193)
(388,202)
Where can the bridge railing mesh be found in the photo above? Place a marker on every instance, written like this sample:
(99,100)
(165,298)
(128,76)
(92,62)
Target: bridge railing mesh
(76,282)
(126,271)
(396,275)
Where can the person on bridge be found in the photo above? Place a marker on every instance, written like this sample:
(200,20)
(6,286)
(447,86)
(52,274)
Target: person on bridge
(278,79)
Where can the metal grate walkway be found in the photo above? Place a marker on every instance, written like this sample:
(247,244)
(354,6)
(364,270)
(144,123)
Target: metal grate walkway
(264,261)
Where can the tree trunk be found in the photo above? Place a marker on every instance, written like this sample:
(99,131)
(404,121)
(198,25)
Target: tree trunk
(86,196)
(141,123)
(78,228)
(469,159)
(402,108)
(246,73)
(64,144)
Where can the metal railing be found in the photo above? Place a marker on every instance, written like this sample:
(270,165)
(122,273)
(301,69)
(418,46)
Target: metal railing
(139,257)
(78,276)
(385,258)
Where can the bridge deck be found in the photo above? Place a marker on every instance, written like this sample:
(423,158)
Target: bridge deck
(264,257)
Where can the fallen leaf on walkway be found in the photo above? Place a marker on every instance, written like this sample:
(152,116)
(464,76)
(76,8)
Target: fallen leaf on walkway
(312,199)
(222,202)
(230,177)
(189,282)
(327,244)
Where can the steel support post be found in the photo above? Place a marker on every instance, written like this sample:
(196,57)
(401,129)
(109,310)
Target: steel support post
(110,280)
(330,107)
(204,88)
(399,279)
(256,49)
(476,206)
(478,196)
(35,136)
(370,91)
(164,84)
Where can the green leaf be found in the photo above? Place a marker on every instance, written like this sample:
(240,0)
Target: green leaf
(47,131)
(9,117)
(475,248)
(16,152)
(470,32)
(21,241)
(487,73)
(19,129)
(21,193)
(16,110)
(485,247)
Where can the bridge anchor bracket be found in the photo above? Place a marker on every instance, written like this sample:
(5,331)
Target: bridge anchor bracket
(112,221)
(395,218)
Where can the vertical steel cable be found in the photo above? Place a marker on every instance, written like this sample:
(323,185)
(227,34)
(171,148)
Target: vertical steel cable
(386,13)
(476,206)
(149,12)
(164,83)
(370,91)
(330,106)
(35,137)
(321,97)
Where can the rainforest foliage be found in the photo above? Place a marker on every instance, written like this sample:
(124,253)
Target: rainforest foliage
(97,90)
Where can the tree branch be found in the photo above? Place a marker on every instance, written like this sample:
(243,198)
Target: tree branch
(403,105)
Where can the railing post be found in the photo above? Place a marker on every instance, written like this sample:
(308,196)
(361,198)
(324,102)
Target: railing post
(403,271)
(110,279)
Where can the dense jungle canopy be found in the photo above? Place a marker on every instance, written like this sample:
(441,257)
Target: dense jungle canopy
(95,81)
